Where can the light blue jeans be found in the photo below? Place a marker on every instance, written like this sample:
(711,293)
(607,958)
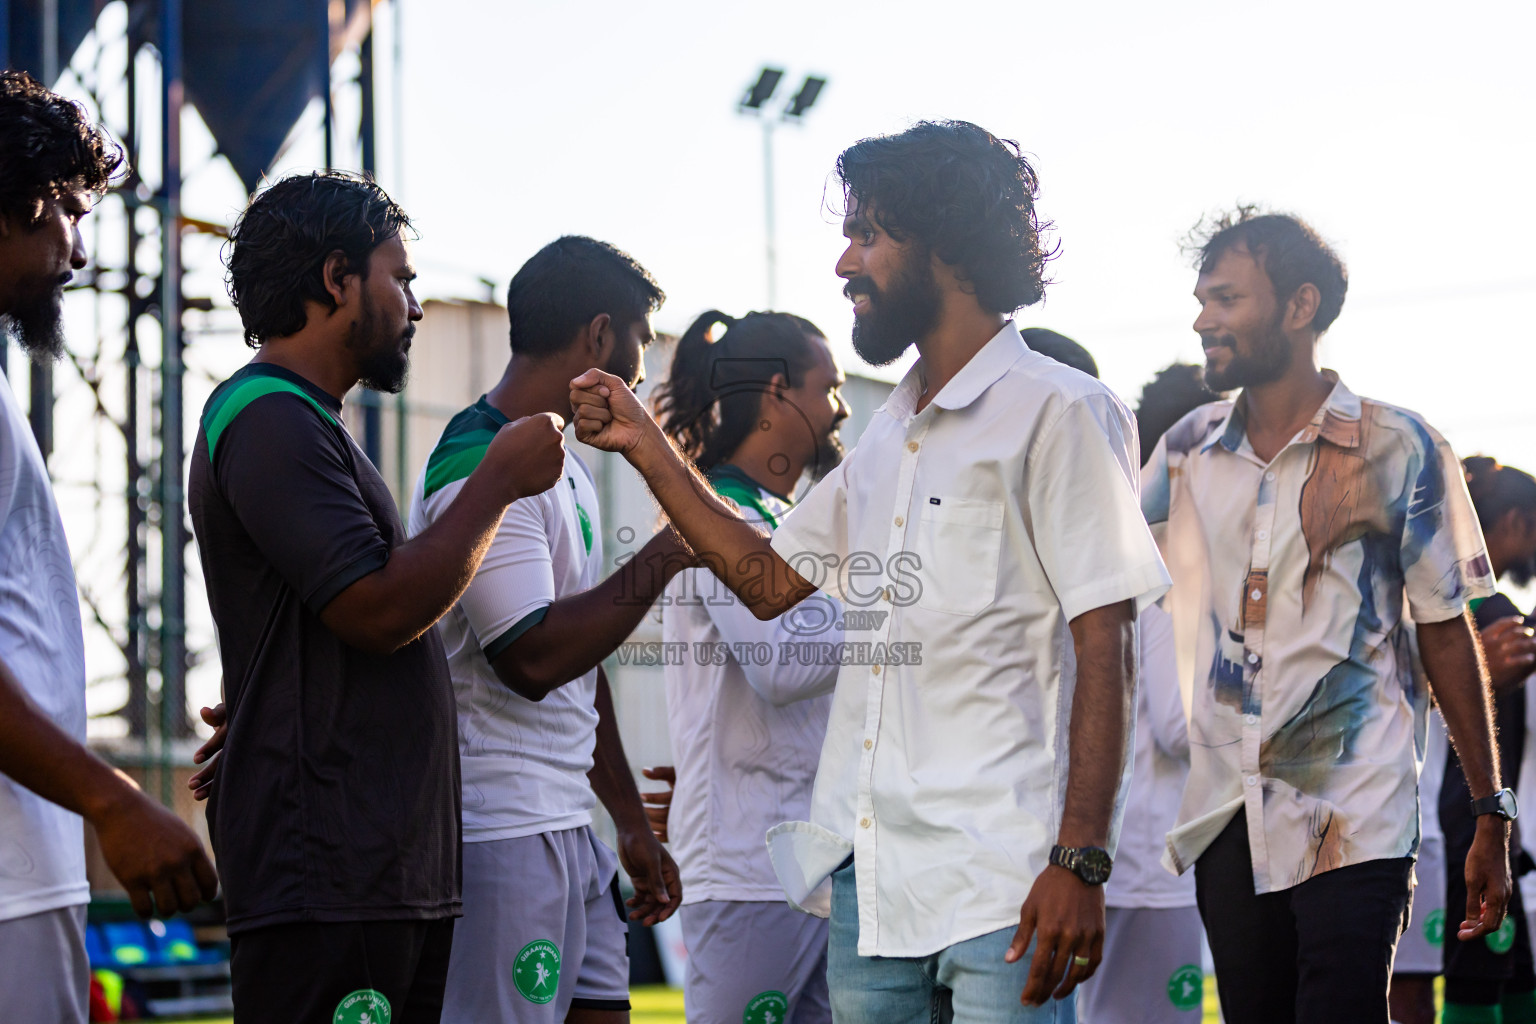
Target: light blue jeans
(967,983)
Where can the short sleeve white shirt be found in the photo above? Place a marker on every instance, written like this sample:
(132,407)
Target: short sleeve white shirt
(524,763)
(984,523)
(42,846)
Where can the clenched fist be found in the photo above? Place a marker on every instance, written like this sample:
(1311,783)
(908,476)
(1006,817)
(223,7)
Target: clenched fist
(608,415)
(527,455)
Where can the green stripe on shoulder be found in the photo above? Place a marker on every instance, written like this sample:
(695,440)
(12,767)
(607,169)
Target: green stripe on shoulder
(221,412)
(745,496)
(455,458)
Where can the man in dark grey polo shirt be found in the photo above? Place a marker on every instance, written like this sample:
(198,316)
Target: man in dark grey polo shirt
(335,810)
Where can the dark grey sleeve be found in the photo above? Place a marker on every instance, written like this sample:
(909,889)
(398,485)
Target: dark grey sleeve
(288,476)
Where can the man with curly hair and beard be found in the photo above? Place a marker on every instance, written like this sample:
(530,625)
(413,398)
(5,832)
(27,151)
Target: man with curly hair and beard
(53,164)
(1302,524)
(966,798)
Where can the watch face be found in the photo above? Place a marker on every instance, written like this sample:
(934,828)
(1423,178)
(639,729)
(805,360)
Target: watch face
(1508,808)
(1093,865)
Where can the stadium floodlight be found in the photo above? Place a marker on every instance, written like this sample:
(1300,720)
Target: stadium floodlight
(762,92)
(753,104)
(805,99)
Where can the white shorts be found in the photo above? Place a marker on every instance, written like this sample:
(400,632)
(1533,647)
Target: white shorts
(754,961)
(44,976)
(1420,950)
(1151,970)
(543,930)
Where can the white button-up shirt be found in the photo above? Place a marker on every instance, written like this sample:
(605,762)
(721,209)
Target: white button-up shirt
(1289,579)
(982,526)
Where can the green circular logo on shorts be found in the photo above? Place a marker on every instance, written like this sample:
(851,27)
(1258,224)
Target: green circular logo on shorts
(766,1008)
(536,971)
(1187,987)
(365,1006)
(1502,940)
(1434,928)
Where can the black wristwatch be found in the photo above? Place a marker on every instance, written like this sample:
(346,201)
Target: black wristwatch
(1501,803)
(1089,863)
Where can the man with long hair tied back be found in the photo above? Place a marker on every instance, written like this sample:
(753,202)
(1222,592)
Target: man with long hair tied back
(748,705)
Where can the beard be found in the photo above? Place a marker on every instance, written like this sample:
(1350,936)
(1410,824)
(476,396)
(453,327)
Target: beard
(385,360)
(38,326)
(905,311)
(622,366)
(1268,362)
(828,454)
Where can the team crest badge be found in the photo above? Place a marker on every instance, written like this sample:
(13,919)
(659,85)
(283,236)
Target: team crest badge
(536,971)
(1187,987)
(365,1006)
(766,1008)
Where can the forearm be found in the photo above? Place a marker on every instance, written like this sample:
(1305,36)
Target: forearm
(387,609)
(579,631)
(1103,704)
(48,761)
(1459,681)
(732,549)
(610,776)
(782,681)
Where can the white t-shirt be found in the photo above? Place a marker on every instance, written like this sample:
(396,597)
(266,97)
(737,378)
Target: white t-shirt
(746,735)
(42,846)
(524,763)
(1159,768)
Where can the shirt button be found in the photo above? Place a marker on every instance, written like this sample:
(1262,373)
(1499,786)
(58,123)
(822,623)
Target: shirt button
(863,823)
(1270,475)
(1263,535)
(1256,593)
(1252,780)
(886,593)
(868,744)
(899,520)
(1253,659)
(911,446)
(875,669)
(1251,719)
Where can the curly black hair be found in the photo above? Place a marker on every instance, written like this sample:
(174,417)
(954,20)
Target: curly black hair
(1290,251)
(569,282)
(48,147)
(959,192)
(277,250)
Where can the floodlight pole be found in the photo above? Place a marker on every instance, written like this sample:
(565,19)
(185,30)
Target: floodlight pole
(173,545)
(768,213)
(5,62)
(40,410)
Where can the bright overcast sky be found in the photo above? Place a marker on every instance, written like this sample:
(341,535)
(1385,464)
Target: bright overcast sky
(1402,132)
(1405,137)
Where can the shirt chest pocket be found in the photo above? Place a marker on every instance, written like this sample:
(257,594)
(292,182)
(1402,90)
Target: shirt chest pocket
(959,542)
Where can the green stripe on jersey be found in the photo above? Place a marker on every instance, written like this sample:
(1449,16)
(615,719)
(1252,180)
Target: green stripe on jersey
(461,446)
(745,495)
(223,409)
(454,459)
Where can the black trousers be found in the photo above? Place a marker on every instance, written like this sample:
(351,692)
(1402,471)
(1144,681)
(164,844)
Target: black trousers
(1316,953)
(1482,972)
(340,973)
